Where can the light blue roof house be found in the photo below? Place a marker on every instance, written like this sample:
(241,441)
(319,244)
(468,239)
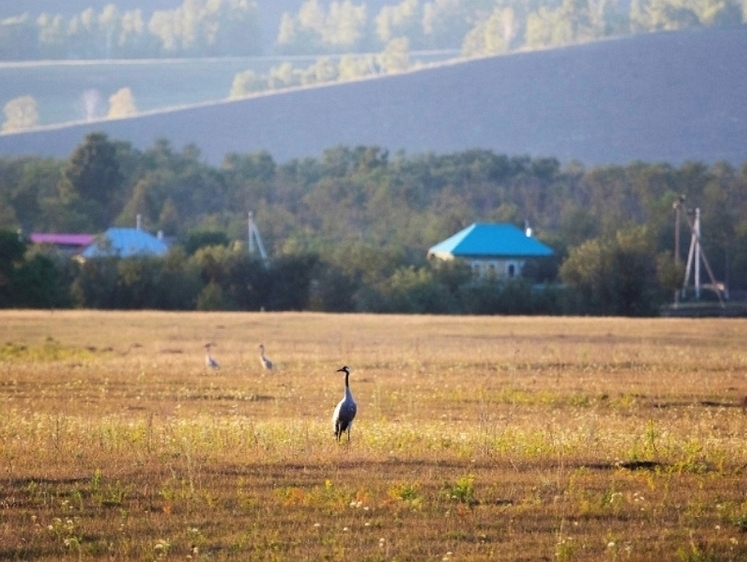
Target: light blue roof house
(499,250)
(125,243)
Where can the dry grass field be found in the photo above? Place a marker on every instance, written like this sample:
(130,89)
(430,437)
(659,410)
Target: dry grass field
(477,438)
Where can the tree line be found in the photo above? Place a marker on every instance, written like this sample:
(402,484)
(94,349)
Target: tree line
(349,231)
(234,27)
(22,112)
(196,28)
(479,28)
(382,42)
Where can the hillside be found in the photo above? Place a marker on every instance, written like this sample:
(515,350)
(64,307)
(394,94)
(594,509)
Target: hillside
(662,97)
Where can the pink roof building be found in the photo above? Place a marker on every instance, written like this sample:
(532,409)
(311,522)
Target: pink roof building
(72,242)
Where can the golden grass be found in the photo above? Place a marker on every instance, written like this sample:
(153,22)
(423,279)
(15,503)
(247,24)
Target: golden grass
(477,438)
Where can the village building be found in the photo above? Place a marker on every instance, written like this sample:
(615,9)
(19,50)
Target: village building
(70,244)
(492,250)
(125,243)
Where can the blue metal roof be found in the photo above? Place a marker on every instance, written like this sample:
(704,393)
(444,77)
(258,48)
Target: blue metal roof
(125,243)
(481,240)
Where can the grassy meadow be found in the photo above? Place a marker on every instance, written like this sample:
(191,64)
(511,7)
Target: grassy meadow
(477,438)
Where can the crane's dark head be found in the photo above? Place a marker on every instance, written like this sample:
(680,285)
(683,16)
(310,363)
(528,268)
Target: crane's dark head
(262,346)
(208,345)
(344,369)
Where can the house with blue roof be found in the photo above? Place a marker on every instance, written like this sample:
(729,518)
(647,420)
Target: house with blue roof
(498,250)
(125,243)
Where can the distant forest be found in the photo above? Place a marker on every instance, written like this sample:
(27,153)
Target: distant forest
(350,231)
(234,27)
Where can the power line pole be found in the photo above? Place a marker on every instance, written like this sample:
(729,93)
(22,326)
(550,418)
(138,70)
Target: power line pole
(677,206)
(254,237)
(694,257)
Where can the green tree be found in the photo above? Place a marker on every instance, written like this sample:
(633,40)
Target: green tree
(514,296)
(283,76)
(291,278)
(352,67)
(122,104)
(164,26)
(547,27)
(395,57)
(324,70)
(52,36)
(331,290)
(345,24)
(315,29)
(11,255)
(615,275)
(232,280)
(402,20)
(144,202)
(232,28)
(28,186)
(416,290)
(492,36)
(20,113)
(82,34)
(669,273)
(287,30)
(245,83)
(445,24)
(203,238)
(719,218)
(258,166)
(658,15)
(38,284)
(93,175)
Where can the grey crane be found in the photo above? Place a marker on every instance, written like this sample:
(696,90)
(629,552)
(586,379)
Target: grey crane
(344,414)
(209,361)
(266,363)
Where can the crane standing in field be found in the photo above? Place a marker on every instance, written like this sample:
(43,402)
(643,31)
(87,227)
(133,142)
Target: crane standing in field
(344,414)
(266,363)
(209,361)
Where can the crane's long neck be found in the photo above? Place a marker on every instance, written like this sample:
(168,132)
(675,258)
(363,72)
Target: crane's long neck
(347,385)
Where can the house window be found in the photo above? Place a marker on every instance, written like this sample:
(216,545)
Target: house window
(511,269)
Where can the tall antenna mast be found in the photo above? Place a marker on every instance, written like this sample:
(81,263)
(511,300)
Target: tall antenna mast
(255,238)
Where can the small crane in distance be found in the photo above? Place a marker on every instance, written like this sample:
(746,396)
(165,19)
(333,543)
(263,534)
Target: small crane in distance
(344,414)
(266,363)
(209,361)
